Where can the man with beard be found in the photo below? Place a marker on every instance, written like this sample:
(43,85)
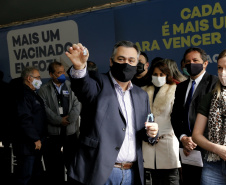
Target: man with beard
(113,121)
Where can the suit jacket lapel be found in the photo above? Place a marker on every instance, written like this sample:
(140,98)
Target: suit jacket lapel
(185,90)
(135,102)
(202,85)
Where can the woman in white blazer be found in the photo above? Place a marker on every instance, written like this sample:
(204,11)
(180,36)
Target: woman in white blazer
(162,158)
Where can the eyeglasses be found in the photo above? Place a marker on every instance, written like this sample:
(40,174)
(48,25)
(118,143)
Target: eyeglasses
(36,77)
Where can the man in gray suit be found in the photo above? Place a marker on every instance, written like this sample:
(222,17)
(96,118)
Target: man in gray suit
(63,110)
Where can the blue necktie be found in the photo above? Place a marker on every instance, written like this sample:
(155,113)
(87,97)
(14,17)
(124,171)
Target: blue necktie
(187,104)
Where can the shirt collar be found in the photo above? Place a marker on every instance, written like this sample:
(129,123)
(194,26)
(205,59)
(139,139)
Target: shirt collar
(57,85)
(197,80)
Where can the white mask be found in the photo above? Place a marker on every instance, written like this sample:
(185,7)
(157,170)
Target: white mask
(158,81)
(37,83)
(222,77)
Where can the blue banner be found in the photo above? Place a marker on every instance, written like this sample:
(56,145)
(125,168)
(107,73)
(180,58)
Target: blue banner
(160,28)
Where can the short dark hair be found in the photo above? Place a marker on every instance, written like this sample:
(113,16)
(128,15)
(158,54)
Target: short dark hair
(156,59)
(125,43)
(145,55)
(52,66)
(201,52)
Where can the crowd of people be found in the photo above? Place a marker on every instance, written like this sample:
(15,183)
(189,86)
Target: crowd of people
(93,126)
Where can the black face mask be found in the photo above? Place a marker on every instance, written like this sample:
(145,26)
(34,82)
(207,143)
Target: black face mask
(194,69)
(123,72)
(140,68)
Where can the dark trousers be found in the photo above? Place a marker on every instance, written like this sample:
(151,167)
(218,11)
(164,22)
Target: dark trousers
(73,182)
(29,169)
(5,163)
(165,176)
(191,174)
(57,160)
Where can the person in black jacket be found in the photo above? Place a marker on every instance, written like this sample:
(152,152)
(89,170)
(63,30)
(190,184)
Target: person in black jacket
(187,97)
(30,129)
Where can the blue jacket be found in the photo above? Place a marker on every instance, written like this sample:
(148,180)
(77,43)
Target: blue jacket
(102,128)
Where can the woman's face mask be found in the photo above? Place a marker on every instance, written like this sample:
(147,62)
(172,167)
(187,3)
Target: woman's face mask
(222,70)
(158,81)
(222,77)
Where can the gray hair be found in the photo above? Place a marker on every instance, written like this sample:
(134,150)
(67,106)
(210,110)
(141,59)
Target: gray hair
(28,71)
(127,44)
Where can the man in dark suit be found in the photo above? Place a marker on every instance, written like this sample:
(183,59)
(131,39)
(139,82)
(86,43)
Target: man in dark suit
(113,119)
(185,106)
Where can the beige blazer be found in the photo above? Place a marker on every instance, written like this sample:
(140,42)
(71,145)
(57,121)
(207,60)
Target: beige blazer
(166,151)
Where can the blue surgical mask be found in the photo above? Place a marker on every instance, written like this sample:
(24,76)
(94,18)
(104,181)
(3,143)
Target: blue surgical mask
(61,78)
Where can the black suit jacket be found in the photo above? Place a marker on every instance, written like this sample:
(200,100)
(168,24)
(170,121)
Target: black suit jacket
(179,123)
(102,129)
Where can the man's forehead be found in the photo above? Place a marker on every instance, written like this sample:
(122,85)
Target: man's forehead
(193,54)
(57,67)
(126,51)
(141,57)
(36,72)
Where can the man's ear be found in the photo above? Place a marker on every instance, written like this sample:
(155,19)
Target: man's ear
(111,62)
(51,75)
(205,64)
(29,78)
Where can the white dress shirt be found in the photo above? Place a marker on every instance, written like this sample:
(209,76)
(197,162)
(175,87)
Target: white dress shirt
(197,81)
(127,151)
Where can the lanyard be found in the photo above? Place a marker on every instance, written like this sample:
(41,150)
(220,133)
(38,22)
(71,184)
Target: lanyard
(59,96)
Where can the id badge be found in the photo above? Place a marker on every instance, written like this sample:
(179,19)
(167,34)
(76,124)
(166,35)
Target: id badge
(61,110)
(65,93)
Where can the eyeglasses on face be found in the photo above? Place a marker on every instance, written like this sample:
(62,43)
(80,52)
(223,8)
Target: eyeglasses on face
(36,77)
